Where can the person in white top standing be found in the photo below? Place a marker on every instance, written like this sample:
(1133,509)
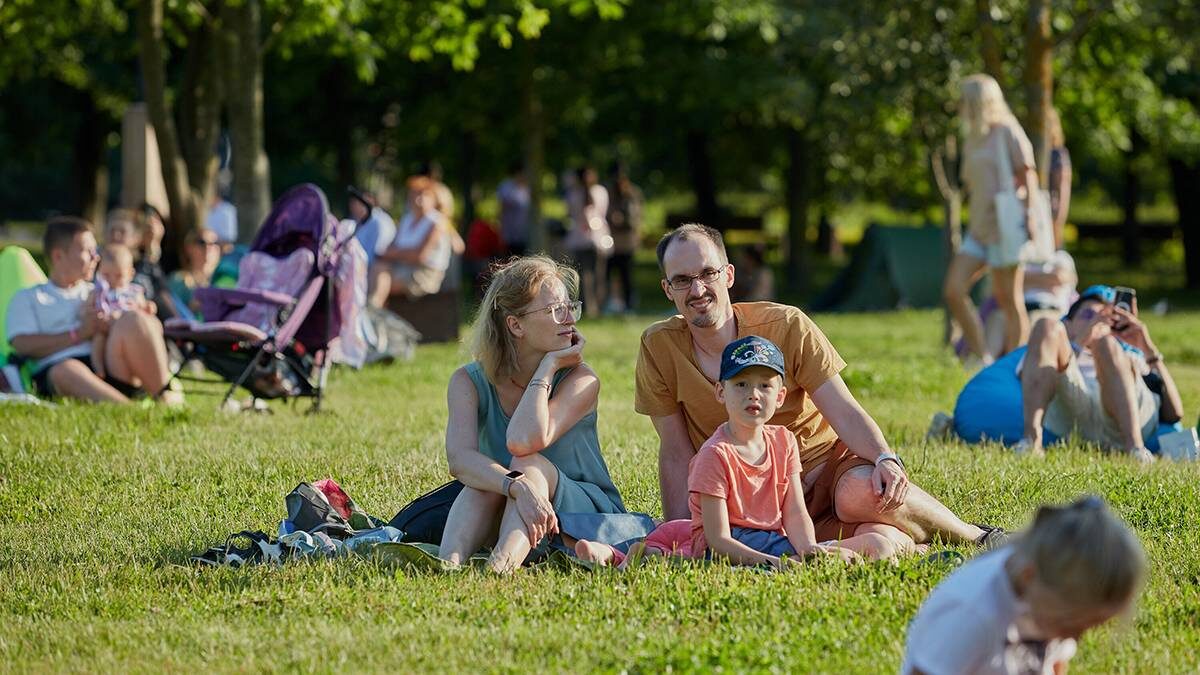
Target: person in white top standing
(416,262)
(1021,608)
(53,323)
(589,240)
(994,144)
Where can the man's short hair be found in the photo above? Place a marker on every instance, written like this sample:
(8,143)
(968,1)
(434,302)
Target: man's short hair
(61,231)
(688,231)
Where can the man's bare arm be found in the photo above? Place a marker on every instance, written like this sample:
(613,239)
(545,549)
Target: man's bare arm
(675,451)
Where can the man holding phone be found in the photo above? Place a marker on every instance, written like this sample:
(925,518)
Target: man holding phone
(1096,372)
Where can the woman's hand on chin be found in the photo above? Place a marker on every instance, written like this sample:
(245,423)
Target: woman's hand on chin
(568,357)
(537,514)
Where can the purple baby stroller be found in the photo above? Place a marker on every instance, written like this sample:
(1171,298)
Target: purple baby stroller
(271,334)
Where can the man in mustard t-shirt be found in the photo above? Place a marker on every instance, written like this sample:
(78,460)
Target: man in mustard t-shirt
(853,482)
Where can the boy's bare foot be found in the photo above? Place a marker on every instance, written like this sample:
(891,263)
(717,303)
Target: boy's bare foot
(593,552)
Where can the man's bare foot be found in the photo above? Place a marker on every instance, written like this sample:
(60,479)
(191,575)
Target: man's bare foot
(593,552)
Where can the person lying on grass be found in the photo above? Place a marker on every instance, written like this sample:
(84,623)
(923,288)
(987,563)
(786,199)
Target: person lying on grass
(521,434)
(1096,372)
(1021,608)
(745,492)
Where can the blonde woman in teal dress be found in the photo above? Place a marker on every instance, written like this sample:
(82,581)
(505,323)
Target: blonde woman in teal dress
(521,434)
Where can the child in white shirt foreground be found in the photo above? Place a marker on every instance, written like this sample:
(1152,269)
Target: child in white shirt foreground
(1021,608)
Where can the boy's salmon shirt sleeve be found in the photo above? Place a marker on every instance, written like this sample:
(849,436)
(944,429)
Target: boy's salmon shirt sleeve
(707,474)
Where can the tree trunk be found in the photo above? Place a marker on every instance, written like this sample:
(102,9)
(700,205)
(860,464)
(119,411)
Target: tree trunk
(244,104)
(993,61)
(89,168)
(1185,184)
(200,96)
(534,149)
(185,204)
(468,165)
(798,198)
(700,170)
(1131,250)
(1039,83)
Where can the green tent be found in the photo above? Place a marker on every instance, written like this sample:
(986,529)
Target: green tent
(893,267)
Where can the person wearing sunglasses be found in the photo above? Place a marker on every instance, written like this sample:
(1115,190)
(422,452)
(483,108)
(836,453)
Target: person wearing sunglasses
(853,482)
(202,253)
(1097,373)
(521,433)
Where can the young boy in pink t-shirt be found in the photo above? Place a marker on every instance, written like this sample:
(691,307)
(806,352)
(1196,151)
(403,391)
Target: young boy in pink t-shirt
(744,488)
(745,492)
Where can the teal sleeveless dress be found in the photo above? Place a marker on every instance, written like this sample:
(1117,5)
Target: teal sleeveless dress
(584,484)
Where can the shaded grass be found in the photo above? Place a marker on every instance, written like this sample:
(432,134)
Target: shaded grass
(105,504)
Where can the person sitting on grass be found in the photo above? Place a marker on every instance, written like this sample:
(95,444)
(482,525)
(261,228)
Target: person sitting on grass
(853,482)
(745,493)
(744,488)
(1021,608)
(55,322)
(1096,372)
(202,254)
(521,433)
(115,295)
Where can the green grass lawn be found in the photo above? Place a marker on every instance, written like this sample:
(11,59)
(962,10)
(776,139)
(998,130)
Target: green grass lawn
(104,505)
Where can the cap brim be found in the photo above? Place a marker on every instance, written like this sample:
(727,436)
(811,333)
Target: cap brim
(732,372)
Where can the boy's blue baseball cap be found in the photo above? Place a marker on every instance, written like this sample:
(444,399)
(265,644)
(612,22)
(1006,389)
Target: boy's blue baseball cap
(751,350)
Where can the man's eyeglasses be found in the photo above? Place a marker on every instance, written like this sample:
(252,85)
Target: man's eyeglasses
(682,282)
(559,311)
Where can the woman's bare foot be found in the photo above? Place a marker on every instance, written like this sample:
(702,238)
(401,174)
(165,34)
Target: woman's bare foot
(593,552)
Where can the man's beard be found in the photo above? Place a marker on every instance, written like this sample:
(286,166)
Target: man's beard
(709,319)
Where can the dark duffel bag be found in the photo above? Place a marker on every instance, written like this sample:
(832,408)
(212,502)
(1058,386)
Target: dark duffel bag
(424,519)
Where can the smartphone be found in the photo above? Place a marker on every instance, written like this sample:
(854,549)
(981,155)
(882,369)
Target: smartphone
(1124,300)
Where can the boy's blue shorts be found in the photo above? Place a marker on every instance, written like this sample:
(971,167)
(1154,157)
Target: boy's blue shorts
(763,541)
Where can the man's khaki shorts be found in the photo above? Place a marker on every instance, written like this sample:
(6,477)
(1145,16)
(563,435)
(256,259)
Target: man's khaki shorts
(1076,407)
(819,500)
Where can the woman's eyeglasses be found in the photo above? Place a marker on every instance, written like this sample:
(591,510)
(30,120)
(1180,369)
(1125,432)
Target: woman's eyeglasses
(560,311)
(682,282)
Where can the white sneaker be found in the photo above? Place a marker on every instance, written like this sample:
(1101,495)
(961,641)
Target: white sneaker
(1144,456)
(974,363)
(940,426)
(1028,446)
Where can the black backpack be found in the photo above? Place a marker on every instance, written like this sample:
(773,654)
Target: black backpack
(424,519)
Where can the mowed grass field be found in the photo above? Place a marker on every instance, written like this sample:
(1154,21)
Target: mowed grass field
(103,505)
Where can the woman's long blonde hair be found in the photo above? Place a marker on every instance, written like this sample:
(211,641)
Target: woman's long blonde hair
(982,105)
(1084,553)
(514,285)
